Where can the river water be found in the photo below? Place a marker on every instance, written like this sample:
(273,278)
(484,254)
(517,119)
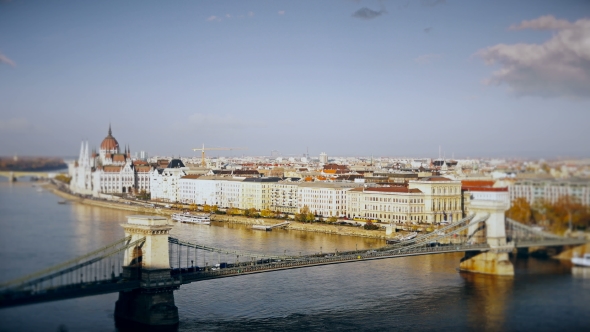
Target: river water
(413,293)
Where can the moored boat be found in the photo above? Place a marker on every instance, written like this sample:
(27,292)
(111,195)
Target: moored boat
(201,219)
(402,238)
(582,261)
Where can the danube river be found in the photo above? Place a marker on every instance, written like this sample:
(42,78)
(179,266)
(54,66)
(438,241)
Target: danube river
(413,293)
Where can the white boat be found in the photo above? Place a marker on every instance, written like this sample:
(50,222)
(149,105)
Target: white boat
(582,261)
(192,218)
(399,239)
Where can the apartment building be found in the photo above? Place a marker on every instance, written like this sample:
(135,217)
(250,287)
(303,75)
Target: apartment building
(550,190)
(327,199)
(283,196)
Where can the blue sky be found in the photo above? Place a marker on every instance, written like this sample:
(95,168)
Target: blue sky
(383,78)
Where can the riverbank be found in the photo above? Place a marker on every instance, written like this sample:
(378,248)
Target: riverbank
(305,227)
(294,225)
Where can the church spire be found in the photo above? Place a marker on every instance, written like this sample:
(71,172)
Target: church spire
(110,131)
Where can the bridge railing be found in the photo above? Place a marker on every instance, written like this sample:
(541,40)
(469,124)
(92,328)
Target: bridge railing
(99,266)
(427,237)
(187,276)
(526,236)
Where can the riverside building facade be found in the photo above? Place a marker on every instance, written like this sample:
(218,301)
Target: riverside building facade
(550,190)
(430,200)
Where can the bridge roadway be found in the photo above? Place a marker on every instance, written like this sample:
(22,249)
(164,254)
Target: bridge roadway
(245,268)
(189,275)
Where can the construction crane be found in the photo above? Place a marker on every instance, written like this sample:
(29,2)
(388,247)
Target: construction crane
(203,149)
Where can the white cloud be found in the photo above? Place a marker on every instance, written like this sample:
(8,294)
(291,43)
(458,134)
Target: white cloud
(214,120)
(250,14)
(213,18)
(559,67)
(427,58)
(281,12)
(6,60)
(14,124)
(547,22)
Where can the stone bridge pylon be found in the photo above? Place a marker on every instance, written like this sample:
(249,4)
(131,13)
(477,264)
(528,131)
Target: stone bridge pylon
(153,303)
(495,261)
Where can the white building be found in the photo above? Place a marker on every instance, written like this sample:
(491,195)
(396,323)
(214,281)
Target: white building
(387,204)
(283,196)
(256,193)
(327,199)
(164,183)
(551,190)
(109,171)
(428,200)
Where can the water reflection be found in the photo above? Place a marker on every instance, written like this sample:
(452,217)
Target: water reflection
(412,293)
(581,272)
(486,300)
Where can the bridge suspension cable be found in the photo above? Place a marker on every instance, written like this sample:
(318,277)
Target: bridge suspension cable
(91,267)
(224,251)
(428,236)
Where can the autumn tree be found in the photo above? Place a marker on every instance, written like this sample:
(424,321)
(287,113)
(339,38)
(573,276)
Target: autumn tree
(266,213)
(332,219)
(63,178)
(520,211)
(233,211)
(369,225)
(252,213)
(567,212)
(305,215)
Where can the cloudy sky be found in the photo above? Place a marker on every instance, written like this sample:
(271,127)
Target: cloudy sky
(368,77)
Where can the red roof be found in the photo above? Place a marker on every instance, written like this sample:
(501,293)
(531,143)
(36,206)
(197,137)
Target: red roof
(484,189)
(477,183)
(394,190)
(112,169)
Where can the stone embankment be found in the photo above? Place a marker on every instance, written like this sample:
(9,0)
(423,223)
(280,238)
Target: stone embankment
(306,227)
(107,204)
(294,225)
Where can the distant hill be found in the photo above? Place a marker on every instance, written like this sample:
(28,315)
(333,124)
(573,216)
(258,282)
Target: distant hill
(31,164)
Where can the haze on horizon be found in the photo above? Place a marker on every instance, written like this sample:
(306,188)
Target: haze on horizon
(357,78)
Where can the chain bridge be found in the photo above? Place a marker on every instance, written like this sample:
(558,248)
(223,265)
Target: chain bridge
(147,265)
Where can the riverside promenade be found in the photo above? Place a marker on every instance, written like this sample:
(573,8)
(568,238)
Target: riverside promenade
(139,207)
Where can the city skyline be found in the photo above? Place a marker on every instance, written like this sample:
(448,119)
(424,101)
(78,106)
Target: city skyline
(358,78)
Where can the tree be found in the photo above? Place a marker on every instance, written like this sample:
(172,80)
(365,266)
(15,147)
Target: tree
(332,219)
(252,213)
(193,207)
(233,211)
(266,213)
(206,208)
(370,226)
(144,195)
(568,211)
(305,215)
(63,178)
(555,216)
(520,211)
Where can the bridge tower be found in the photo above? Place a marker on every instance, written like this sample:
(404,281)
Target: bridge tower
(11,177)
(149,262)
(495,261)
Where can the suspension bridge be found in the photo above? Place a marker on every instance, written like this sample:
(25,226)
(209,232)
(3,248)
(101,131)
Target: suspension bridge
(147,265)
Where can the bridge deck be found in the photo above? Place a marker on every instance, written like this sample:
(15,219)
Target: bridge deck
(307,261)
(11,299)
